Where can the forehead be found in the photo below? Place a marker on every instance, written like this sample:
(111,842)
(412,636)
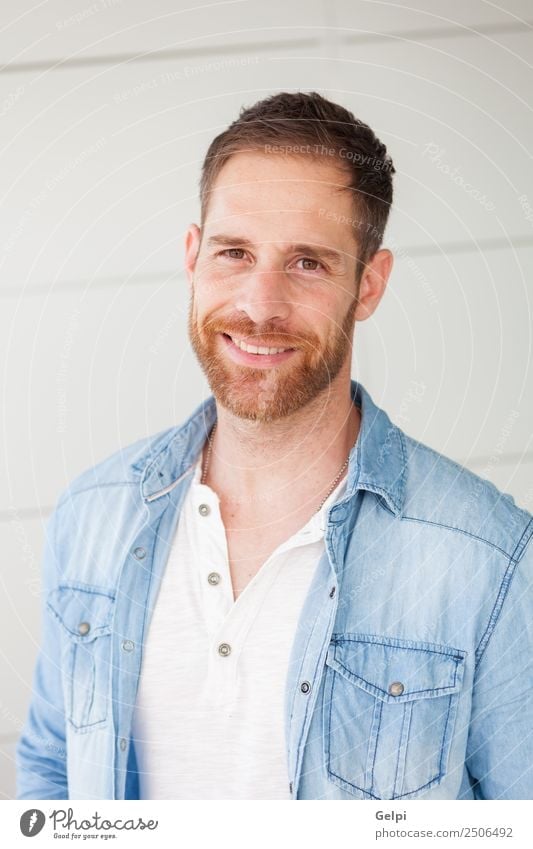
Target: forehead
(287,193)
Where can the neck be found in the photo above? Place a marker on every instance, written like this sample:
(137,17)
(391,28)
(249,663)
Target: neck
(277,460)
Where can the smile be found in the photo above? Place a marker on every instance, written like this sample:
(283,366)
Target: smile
(252,355)
(256,349)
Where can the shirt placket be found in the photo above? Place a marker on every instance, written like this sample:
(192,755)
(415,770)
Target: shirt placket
(229,621)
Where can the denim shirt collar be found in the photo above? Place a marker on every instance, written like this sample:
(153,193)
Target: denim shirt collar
(377,460)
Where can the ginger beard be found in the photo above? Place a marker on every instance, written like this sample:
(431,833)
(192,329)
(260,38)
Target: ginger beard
(268,394)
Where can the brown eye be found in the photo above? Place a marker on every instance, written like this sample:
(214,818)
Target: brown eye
(234,253)
(309,264)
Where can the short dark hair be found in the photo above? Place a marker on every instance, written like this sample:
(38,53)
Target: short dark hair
(310,123)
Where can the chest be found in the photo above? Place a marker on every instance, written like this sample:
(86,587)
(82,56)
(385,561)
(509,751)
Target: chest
(251,540)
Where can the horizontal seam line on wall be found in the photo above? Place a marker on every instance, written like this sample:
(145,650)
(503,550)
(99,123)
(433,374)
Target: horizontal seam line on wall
(213,52)
(472,30)
(458,31)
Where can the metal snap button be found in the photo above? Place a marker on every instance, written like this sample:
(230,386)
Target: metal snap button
(213,578)
(139,552)
(84,628)
(224,649)
(396,688)
(305,687)
(204,509)
(128,645)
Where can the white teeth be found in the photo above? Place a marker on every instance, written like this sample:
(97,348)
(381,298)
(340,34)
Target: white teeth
(253,349)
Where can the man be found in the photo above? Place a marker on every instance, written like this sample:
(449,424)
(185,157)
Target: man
(286,597)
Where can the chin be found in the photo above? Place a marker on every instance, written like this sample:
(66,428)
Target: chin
(248,405)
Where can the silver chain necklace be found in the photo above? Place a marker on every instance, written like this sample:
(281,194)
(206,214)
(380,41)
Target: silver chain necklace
(330,490)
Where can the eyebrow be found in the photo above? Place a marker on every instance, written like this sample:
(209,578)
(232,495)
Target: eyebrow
(335,258)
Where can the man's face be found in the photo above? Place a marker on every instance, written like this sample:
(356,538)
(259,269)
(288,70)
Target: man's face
(274,271)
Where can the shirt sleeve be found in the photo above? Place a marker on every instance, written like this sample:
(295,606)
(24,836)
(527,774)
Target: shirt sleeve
(41,748)
(500,743)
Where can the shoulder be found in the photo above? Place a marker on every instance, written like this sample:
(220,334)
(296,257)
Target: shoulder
(122,468)
(440,491)
(126,466)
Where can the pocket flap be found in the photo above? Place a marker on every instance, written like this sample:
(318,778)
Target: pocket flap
(84,612)
(397,670)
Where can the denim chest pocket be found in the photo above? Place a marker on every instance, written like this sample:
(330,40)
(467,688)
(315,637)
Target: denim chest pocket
(86,615)
(389,713)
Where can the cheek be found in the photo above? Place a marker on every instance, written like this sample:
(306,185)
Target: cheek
(321,314)
(208,306)
(213,290)
(336,325)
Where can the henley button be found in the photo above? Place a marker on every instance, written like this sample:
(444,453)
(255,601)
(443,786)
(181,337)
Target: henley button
(213,578)
(84,628)
(396,688)
(332,592)
(139,552)
(204,509)
(128,645)
(224,649)
(123,743)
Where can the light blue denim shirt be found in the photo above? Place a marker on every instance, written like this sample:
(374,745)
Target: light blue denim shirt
(410,674)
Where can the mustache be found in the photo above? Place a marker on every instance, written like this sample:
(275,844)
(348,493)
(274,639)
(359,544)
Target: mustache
(269,333)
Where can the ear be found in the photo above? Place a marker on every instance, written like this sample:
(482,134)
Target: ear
(373,283)
(192,245)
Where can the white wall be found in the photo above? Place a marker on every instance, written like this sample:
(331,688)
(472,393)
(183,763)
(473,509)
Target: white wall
(107,109)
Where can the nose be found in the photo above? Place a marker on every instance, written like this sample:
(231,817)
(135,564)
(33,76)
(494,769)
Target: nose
(264,295)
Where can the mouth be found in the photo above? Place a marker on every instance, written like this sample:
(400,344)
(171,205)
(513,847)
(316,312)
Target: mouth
(243,352)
